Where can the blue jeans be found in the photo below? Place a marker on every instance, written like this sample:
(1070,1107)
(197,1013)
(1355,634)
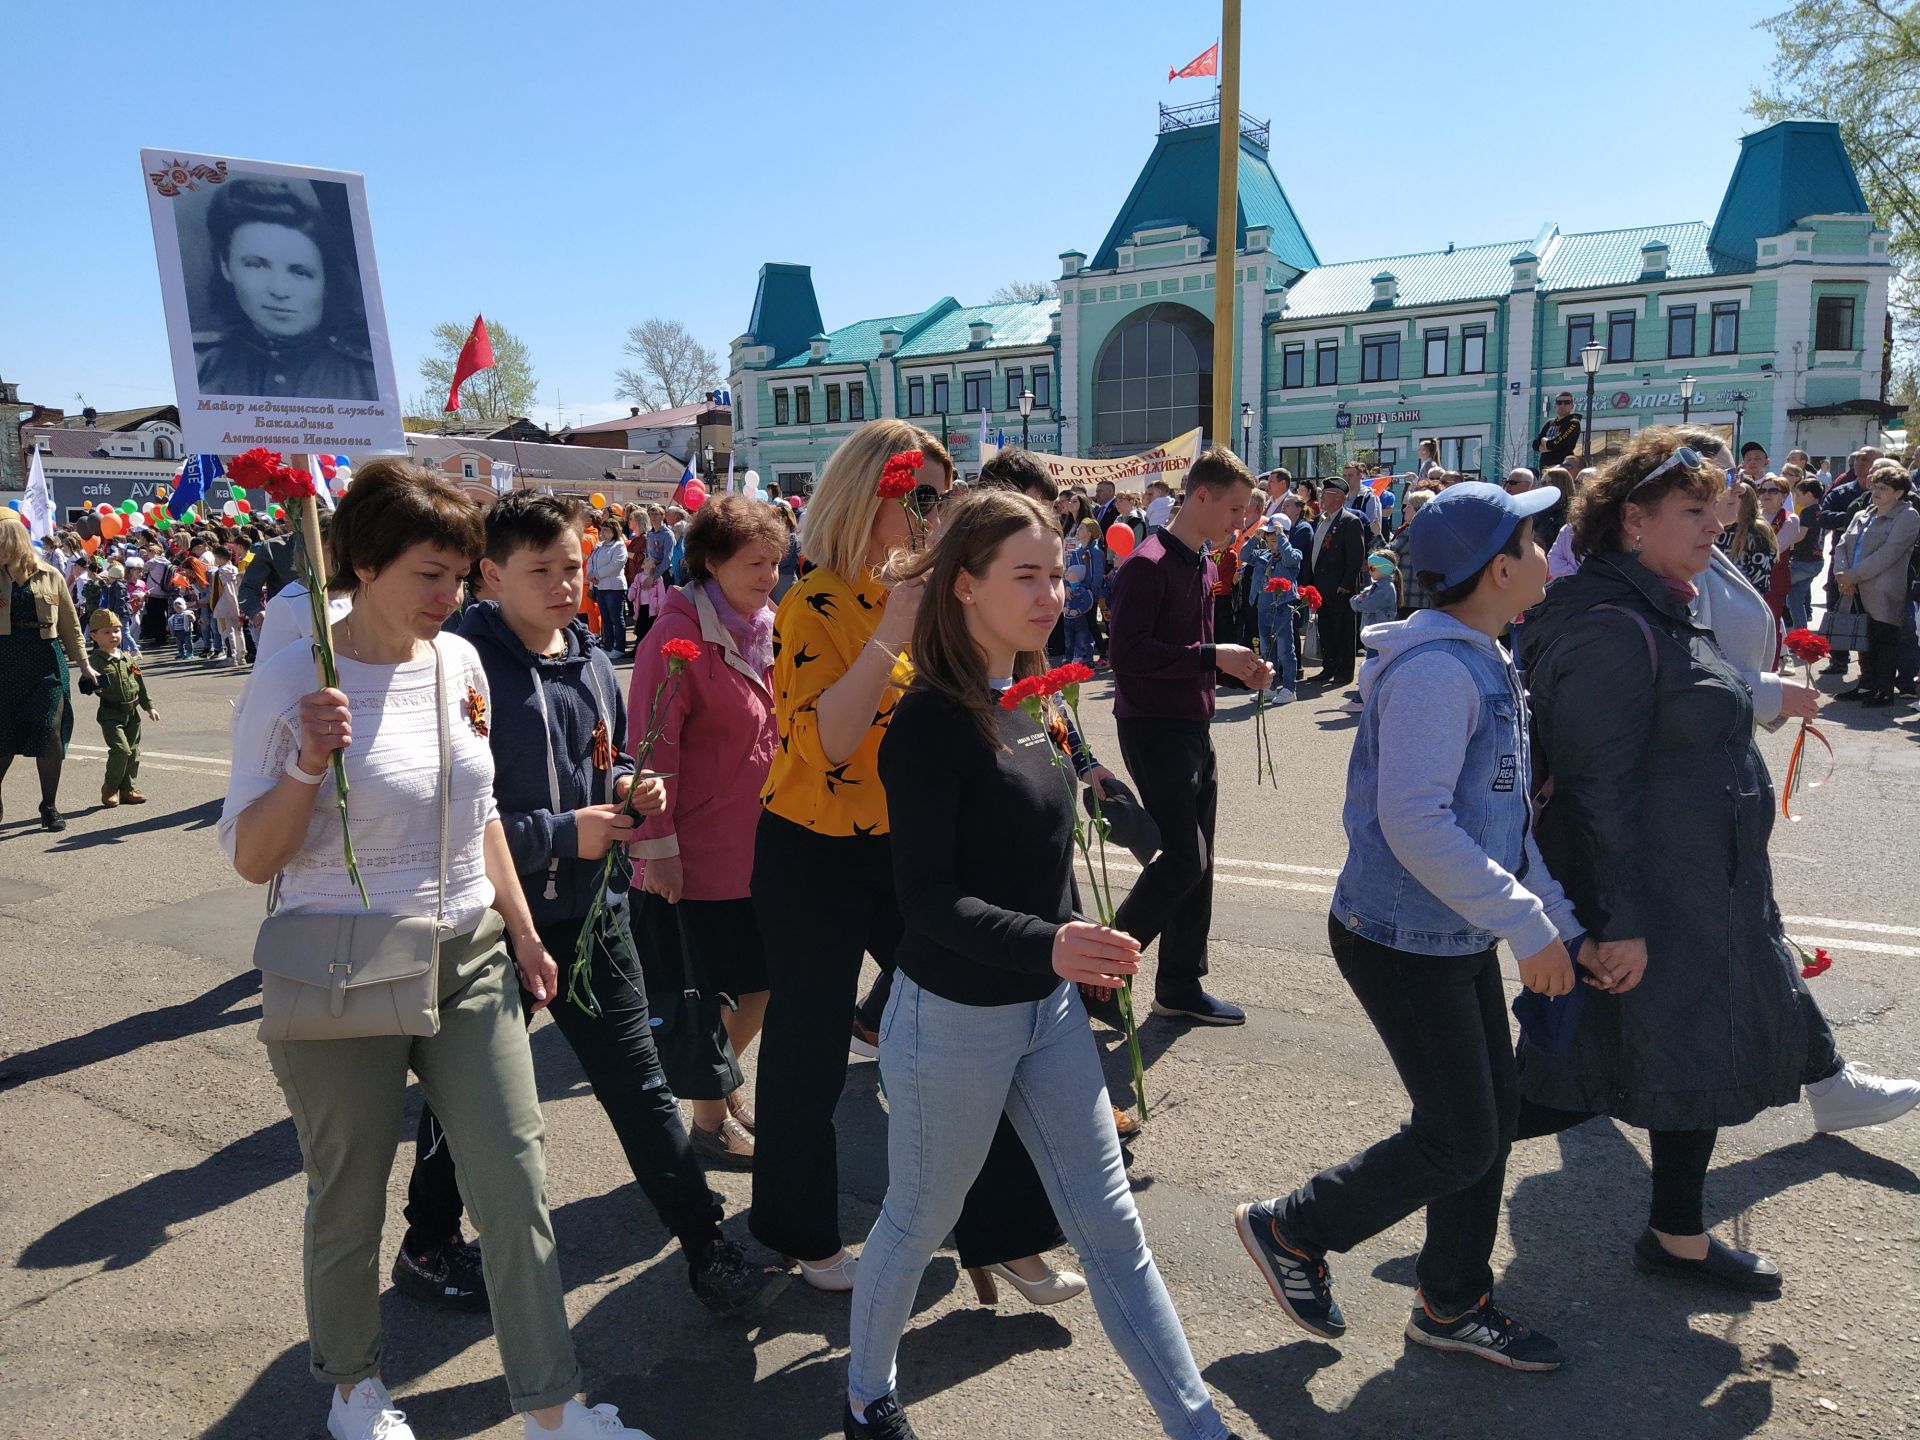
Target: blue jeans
(1079,630)
(946,1065)
(1800,577)
(1276,644)
(613,619)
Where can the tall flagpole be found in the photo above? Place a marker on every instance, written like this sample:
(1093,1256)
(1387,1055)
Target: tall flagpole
(1226,226)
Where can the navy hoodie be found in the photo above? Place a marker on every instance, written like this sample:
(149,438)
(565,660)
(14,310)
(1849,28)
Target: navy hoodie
(539,833)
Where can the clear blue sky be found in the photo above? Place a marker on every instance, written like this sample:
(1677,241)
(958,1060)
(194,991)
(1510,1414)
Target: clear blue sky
(574,168)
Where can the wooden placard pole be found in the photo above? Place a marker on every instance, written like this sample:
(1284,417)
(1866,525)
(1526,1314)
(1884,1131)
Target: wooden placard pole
(1226,228)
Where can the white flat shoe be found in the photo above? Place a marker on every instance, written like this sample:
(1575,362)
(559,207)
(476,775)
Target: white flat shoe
(1058,1287)
(836,1276)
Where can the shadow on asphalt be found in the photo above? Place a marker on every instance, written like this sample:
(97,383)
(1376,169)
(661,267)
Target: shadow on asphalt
(195,817)
(211,1011)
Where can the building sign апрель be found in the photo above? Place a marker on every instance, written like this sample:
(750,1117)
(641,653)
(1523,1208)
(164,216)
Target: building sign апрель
(1652,400)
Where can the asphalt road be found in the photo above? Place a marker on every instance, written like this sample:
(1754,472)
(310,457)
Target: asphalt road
(151,1201)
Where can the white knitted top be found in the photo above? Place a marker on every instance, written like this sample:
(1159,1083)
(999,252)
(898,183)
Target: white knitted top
(393,771)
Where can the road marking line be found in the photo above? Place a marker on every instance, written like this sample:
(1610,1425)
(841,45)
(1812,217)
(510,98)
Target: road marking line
(210,760)
(1851,925)
(1256,880)
(1867,947)
(1284,869)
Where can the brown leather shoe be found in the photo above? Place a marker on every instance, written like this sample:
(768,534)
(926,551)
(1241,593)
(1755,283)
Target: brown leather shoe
(741,1108)
(1126,1123)
(131,796)
(109,797)
(728,1145)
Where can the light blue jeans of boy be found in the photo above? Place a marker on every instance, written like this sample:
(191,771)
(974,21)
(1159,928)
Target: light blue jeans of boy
(950,1070)
(1079,636)
(1276,644)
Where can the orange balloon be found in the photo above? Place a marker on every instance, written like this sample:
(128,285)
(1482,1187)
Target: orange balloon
(90,544)
(599,501)
(109,524)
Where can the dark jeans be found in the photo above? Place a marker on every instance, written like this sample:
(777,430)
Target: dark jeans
(1174,770)
(1878,668)
(613,619)
(1339,634)
(1680,1160)
(1838,657)
(1443,1019)
(616,1051)
(823,902)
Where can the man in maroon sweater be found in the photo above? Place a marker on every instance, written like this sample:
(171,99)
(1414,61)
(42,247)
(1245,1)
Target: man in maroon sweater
(1164,661)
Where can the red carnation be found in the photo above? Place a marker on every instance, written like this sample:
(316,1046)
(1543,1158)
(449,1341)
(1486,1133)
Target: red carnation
(900,475)
(253,469)
(1021,691)
(1061,676)
(1819,965)
(1310,597)
(1279,585)
(289,485)
(1807,647)
(680,652)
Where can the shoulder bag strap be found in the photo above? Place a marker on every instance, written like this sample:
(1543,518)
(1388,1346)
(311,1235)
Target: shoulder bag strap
(446,775)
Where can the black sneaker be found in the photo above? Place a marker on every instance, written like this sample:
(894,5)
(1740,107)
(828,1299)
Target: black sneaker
(1300,1282)
(1198,1006)
(731,1284)
(449,1275)
(885,1421)
(1487,1332)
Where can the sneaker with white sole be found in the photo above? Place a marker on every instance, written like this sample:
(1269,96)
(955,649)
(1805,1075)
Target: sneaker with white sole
(1856,1097)
(367,1414)
(577,1422)
(834,1275)
(1281,697)
(1301,1282)
(1488,1333)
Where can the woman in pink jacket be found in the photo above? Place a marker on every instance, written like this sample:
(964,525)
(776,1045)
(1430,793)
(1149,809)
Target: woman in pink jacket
(692,915)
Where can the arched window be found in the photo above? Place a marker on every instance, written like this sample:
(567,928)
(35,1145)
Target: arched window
(1154,380)
(162,448)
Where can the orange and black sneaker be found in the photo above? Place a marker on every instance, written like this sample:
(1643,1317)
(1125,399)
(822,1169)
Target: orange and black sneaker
(1486,1331)
(1301,1282)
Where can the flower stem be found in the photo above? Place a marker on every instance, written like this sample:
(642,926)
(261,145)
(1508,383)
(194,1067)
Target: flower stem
(313,574)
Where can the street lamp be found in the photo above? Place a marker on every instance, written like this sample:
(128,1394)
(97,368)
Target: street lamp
(1590,358)
(707,454)
(1739,398)
(1026,412)
(1246,432)
(1686,398)
(1379,445)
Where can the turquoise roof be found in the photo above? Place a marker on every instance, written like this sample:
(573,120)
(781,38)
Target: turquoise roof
(940,329)
(1470,272)
(785,311)
(1794,168)
(1180,185)
(1614,257)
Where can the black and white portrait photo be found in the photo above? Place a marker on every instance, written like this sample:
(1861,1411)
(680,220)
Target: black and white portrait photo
(273,307)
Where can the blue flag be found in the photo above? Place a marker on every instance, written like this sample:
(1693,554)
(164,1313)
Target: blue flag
(199,472)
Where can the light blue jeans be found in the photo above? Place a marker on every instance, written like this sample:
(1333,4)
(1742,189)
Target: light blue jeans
(950,1070)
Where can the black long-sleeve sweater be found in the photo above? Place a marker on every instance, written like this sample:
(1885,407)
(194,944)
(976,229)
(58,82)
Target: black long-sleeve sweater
(982,852)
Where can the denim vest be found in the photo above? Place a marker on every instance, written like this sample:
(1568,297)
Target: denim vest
(1375,896)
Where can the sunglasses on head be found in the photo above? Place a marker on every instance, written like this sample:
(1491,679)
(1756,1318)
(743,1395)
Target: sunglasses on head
(1685,456)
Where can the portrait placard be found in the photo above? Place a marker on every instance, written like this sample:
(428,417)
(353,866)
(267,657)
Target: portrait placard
(274,317)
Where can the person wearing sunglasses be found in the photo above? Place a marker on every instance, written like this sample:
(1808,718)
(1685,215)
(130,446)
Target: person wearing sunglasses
(1870,563)
(1775,495)
(1559,437)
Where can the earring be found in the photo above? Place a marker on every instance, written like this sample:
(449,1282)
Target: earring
(1635,551)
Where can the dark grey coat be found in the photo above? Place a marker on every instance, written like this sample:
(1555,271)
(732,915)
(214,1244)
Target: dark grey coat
(1658,827)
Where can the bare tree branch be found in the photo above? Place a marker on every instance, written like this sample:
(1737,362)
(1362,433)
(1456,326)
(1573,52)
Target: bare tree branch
(673,368)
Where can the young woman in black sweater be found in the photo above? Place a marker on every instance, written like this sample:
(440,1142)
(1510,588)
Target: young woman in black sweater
(985,1017)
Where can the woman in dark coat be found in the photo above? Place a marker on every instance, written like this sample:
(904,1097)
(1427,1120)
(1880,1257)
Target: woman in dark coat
(1657,823)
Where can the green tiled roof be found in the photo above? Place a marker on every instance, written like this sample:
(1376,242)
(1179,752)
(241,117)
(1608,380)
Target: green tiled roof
(850,344)
(1612,257)
(1180,184)
(1024,322)
(1470,272)
(1794,168)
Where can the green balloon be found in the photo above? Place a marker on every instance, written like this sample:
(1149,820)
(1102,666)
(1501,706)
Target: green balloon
(127,507)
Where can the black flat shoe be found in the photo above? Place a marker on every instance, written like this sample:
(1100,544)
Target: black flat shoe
(1858,692)
(1877,702)
(1734,1269)
(50,819)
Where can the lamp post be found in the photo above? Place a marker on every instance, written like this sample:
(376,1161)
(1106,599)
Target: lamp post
(1026,412)
(1379,445)
(1590,358)
(707,455)
(1246,432)
(1739,398)
(1686,398)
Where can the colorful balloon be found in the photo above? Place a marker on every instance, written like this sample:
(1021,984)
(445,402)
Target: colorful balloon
(1120,539)
(696,495)
(109,524)
(599,500)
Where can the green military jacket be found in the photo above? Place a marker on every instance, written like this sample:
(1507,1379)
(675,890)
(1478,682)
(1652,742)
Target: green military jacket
(122,687)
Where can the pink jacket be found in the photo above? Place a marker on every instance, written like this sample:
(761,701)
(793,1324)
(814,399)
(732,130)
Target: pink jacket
(717,744)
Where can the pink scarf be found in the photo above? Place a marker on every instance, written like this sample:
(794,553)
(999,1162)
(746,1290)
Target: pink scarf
(752,634)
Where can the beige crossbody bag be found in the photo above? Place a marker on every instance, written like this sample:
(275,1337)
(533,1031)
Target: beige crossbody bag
(347,977)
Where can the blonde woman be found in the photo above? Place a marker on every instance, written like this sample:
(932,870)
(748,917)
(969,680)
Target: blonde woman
(39,640)
(823,886)
(1747,539)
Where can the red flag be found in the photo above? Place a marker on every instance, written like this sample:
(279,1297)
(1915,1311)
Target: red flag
(476,355)
(1207,62)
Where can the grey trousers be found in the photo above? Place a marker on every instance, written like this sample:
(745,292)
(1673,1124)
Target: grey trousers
(347,1102)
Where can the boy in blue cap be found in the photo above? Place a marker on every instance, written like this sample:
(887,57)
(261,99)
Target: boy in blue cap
(1441,867)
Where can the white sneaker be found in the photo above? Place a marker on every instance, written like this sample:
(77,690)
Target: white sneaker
(1854,1098)
(1354,706)
(1281,697)
(577,1422)
(367,1414)
(836,1276)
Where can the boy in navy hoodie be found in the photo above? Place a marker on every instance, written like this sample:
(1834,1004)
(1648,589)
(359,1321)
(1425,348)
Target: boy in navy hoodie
(559,733)
(1441,867)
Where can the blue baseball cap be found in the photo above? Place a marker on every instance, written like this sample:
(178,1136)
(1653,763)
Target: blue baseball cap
(1463,527)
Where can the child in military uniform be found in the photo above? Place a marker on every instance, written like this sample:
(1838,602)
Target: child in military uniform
(123,695)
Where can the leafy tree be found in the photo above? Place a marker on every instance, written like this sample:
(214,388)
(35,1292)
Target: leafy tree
(673,368)
(1020,290)
(506,390)
(1857,63)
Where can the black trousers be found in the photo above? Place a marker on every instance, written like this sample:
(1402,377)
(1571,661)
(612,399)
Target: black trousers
(1443,1019)
(1176,774)
(616,1051)
(1878,669)
(1339,634)
(824,901)
(1680,1160)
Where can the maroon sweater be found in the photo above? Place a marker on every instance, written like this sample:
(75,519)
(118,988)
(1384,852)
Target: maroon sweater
(1161,635)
